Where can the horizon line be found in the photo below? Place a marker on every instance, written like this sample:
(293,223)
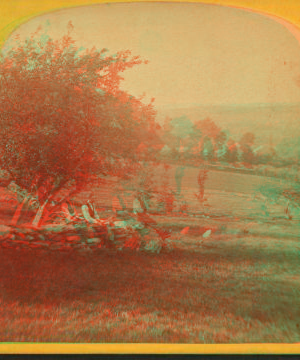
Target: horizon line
(181,106)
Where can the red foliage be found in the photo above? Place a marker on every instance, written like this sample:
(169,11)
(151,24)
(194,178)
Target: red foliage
(63,116)
(208,128)
(133,243)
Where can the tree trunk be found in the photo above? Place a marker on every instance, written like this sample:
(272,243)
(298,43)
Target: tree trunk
(18,211)
(121,202)
(86,214)
(56,187)
(96,215)
(46,217)
(37,219)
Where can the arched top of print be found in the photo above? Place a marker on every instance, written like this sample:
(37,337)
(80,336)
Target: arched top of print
(198,54)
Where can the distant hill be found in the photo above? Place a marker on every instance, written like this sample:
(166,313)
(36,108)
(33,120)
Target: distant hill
(277,124)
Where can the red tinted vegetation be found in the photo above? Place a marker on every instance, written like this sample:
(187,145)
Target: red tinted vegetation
(64,118)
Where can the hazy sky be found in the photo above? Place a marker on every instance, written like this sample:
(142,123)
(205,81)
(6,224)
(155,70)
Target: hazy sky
(198,54)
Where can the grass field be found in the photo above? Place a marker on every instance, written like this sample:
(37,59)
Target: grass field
(227,288)
(239,285)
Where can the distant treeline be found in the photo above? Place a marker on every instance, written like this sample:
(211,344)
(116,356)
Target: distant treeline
(204,140)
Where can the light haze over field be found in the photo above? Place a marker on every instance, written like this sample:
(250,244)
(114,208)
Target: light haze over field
(198,54)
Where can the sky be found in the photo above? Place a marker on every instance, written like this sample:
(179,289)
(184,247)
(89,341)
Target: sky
(198,54)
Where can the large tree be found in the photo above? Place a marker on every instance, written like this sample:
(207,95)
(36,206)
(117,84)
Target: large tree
(64,118)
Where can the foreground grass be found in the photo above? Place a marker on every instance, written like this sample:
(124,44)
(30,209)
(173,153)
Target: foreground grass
(226,289)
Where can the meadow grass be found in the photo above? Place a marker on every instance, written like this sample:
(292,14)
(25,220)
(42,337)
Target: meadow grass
(229,288)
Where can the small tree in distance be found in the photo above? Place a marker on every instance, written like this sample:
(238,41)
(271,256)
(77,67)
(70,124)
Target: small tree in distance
(64,118)
(246,143)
